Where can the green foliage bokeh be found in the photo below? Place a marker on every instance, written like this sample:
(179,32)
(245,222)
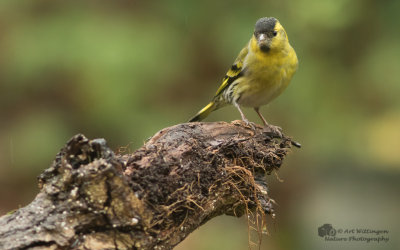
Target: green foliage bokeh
(122,70)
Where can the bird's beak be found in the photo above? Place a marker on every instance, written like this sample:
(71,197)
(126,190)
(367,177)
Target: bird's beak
(263,42)
(262,38)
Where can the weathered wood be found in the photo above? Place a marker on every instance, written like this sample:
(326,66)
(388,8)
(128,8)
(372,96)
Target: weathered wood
(182,177)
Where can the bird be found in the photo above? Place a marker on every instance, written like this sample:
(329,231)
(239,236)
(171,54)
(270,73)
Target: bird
(261,72)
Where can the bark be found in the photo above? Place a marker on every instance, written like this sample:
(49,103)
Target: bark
(92,198)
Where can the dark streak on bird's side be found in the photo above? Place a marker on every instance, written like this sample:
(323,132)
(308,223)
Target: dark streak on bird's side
(234,67)
(231,79)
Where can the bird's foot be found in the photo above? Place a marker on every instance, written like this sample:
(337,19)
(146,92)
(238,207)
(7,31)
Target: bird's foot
(250,124)
(246,123)
(273,130)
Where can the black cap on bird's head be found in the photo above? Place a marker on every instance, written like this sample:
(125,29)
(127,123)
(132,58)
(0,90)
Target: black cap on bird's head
(264,31)
(265,25)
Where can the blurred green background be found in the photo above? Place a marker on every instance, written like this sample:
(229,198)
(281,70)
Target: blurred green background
(123,70)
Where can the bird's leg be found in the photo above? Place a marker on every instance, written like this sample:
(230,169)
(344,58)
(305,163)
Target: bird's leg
(257,109)
(242,114)
(275,129)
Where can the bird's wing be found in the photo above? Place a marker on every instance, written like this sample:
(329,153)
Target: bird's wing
(235,71)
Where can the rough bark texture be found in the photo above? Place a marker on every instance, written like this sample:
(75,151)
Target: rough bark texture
(182,177)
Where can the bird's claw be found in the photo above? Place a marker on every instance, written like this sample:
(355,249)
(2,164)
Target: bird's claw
(246,123)
(250,124)
(277,131)
(273,130)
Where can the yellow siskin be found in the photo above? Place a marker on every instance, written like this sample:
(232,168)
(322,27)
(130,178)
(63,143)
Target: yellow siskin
(259,74)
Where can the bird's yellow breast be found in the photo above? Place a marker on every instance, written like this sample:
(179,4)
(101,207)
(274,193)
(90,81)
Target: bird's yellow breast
(266,75)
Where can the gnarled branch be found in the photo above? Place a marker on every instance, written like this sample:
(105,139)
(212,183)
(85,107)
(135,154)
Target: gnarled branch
(91,198)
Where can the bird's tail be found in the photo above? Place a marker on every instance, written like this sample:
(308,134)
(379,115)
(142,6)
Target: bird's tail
(204,112)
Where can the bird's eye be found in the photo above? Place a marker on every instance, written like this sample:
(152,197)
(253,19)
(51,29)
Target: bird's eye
(275,33)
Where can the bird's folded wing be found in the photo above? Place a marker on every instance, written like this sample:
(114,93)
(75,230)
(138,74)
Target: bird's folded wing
(235,71)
